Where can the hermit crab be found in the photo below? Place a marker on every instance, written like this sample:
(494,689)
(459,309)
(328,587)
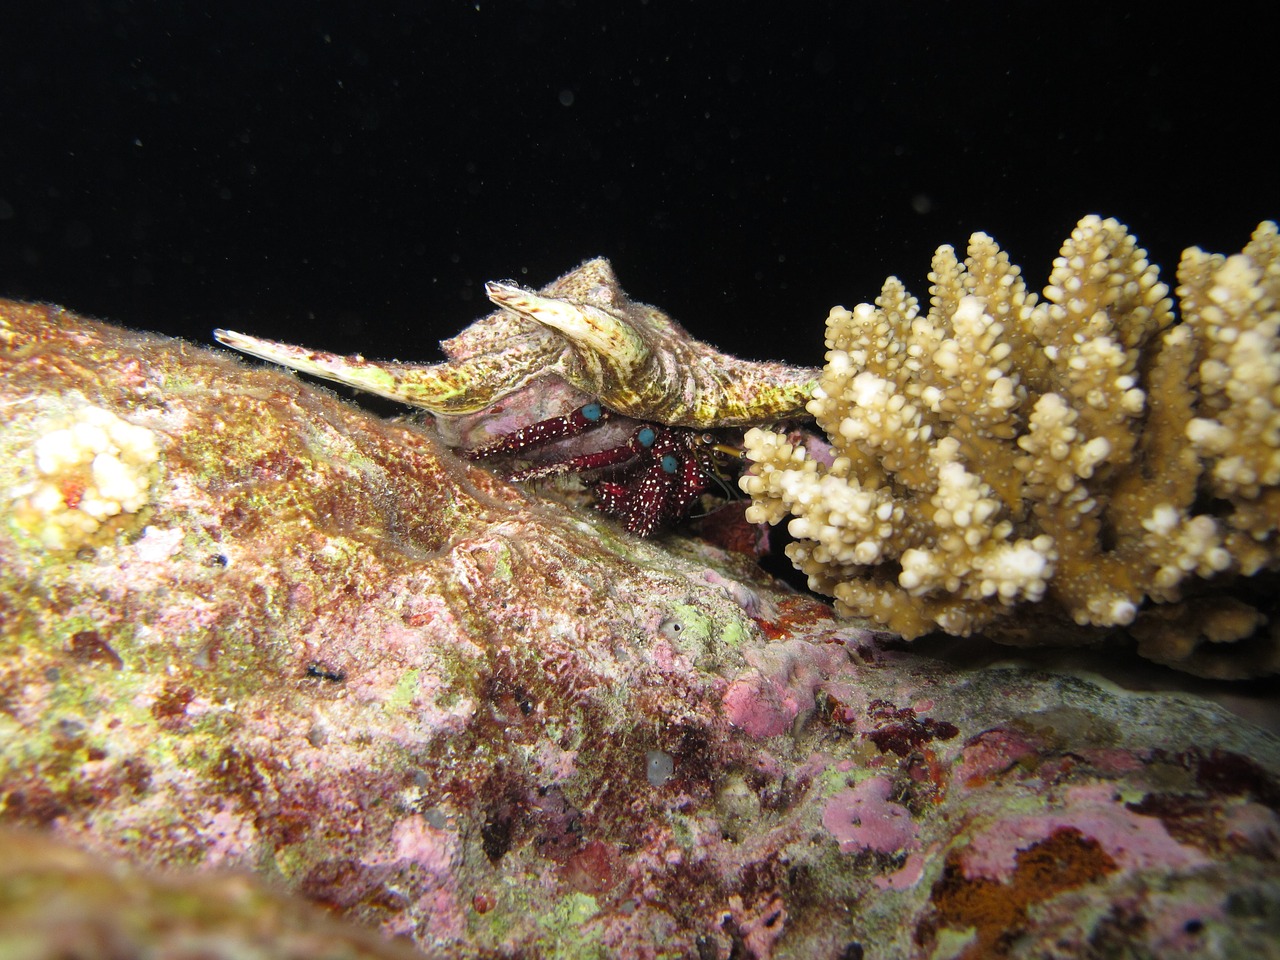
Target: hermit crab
(578,378)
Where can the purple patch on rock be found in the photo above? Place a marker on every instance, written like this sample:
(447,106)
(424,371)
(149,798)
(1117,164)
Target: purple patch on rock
(761,708)
(1134,841)
(864,818)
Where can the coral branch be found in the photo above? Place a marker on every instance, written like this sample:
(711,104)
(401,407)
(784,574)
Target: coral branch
(1050,469)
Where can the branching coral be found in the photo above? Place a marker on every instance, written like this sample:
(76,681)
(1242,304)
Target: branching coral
(1050,469)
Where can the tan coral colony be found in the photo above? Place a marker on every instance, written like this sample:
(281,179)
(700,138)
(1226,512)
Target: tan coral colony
(1050,469)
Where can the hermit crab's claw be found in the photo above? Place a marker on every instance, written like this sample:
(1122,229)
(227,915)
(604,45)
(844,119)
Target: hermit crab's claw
(453,387)
(609,348)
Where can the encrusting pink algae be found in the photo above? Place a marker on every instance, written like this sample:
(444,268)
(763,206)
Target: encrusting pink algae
(258,639)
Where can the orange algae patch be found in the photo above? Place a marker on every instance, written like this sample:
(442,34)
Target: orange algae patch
(997,911)
(794,613)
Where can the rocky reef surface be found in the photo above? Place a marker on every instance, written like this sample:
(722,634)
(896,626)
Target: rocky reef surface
(262,646)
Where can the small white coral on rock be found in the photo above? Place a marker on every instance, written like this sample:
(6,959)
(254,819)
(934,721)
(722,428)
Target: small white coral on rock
(1048,468)
(91,467)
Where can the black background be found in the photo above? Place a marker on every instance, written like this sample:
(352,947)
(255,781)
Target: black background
(348,175)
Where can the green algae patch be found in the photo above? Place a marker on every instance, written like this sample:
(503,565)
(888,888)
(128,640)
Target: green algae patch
(689,630)
(404,692)
(708,635)
(734,634)
(567,937)
(502,562)
(572,911)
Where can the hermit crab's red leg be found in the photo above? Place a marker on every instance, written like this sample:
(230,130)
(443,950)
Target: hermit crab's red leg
(695,478)
(642,506)
(638,442)
(544,431)
(671,479)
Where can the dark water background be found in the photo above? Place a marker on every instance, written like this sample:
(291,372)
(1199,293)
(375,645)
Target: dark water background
(348,174)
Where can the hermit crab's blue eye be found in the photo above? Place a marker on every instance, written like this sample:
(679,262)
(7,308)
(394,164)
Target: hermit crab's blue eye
(591,412)
(670,464)
(646,436)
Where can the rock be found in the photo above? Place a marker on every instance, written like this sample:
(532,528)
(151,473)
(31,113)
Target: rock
(58,902)
(314,646)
